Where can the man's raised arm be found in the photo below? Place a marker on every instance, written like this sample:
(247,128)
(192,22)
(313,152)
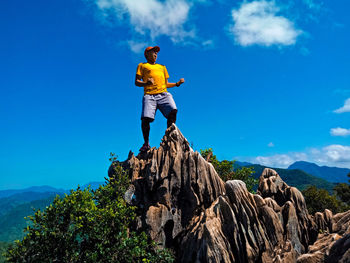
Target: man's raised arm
(177,84)
(140,83)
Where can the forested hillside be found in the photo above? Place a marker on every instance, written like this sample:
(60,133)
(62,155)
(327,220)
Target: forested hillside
(13,221)
(294,177)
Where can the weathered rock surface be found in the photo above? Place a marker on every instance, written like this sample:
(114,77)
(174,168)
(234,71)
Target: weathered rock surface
(186,206)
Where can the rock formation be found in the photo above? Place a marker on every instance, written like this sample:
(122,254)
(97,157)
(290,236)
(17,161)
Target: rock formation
(184,205)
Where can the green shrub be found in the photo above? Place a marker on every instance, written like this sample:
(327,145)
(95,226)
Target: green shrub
(317,200)
(3,248)
(87,226)
(226,171)
(342,190)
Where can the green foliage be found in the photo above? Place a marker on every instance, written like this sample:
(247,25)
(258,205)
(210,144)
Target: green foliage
(3,248)
(88,226)
(245,174)
(342,190)
(319,199)
(226,171)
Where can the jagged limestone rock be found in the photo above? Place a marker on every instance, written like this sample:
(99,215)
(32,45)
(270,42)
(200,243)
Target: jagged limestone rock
(183,204)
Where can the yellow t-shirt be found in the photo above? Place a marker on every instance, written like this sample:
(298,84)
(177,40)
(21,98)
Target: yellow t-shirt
(157,72)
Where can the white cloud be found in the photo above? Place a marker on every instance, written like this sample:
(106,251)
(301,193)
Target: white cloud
(338,153)
(278,160)
(136,47)
(331,155)
(257,23)
(271,144)
(149,18)
(340,132)
(207,44)
(313,5)
(345,108)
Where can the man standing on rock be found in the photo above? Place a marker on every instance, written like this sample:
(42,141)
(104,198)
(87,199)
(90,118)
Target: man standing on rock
(154,79)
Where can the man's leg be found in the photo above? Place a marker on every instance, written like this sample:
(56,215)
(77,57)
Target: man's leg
(167,106)
(145,126)
(149,108)
(171,118)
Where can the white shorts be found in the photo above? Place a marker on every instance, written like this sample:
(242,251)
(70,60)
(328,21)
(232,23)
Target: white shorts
(162,101)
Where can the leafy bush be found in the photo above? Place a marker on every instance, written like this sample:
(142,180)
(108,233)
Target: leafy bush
(87,226)
(342,190)
(317,200)
(226,171)
(3,248)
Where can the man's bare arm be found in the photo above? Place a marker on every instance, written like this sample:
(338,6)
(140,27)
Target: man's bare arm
(140,83)
(177,84)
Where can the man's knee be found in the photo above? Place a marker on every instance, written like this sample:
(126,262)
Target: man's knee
(172,115)
(146,120)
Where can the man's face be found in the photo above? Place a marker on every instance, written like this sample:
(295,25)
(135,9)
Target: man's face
(152,56)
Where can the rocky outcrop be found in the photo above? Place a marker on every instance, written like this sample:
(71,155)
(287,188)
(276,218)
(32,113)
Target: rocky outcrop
(183,204)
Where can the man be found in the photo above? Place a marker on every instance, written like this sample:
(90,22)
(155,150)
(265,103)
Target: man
(154,79)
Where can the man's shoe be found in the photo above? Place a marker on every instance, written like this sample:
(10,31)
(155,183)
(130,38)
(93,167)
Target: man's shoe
(145,148)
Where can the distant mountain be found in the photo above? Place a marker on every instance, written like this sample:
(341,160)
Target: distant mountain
(34,189)
(242,163)
(10,199)
(44,189)
(12,222)
(331,174)
(293,177)
(8,203)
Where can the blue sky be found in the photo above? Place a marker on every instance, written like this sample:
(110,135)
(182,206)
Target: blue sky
(266,82)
